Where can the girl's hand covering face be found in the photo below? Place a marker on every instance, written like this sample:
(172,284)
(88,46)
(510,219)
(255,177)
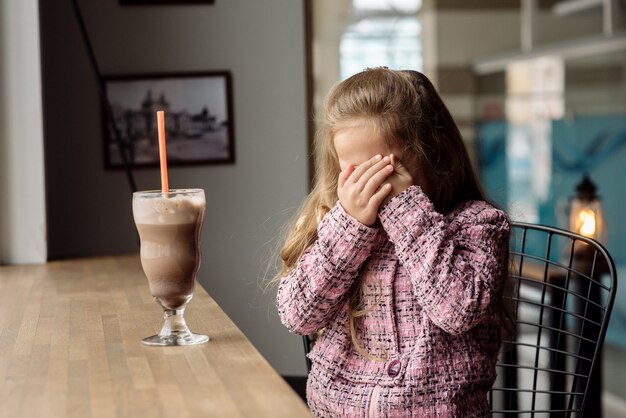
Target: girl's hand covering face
(362,189)
(400,180)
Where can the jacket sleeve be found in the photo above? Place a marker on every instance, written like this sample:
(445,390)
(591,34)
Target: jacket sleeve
(310,296)
(455,264)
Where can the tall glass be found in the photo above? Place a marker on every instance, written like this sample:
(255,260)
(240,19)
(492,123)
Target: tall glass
(169,229)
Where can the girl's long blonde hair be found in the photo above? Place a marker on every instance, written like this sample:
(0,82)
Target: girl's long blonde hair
(405,107)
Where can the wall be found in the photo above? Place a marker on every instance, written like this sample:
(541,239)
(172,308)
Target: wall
(329,22)
(22,210)
(89,212)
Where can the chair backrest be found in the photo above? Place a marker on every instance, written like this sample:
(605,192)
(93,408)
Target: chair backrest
(561,295)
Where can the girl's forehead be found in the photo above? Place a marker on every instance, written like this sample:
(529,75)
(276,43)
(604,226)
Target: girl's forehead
(356,137)
(359,143)
(359,136)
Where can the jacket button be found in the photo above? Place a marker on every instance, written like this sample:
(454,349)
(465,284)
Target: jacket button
(394,368)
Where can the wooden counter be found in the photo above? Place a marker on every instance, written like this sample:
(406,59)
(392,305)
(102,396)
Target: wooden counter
(70,346)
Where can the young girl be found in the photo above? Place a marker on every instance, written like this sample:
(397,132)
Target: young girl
(397,257)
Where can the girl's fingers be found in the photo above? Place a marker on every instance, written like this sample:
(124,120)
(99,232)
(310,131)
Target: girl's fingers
(343,176)
(377,179)
(382,192)
(372,171)
(362,168)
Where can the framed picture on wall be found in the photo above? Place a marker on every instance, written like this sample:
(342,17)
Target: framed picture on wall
(198,118)
(171,2)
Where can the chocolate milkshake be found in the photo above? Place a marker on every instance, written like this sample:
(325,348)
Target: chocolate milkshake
(169,229)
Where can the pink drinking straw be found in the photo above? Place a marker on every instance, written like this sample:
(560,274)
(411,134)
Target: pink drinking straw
(162,154)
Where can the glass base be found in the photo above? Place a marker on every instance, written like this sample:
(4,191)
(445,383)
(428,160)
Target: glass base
(188,338)
(175,331)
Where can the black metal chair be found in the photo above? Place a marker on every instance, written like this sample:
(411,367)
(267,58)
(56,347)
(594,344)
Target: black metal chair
(562,290)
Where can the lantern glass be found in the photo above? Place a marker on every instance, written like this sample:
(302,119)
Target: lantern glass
(587,218)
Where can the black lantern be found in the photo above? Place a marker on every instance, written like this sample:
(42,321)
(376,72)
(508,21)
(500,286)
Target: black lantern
(586,216)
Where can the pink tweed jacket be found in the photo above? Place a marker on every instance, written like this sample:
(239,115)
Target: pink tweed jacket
(431,324)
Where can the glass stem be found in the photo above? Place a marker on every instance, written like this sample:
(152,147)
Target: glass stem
(174,322)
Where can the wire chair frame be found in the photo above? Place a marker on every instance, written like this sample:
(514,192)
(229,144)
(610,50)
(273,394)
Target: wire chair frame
(560,297)
(562,293)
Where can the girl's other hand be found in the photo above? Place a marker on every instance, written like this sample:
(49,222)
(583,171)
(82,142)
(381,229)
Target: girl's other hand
(400,179)
(362,189)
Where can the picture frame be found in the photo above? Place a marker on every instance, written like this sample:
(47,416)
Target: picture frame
(198,118)
(163,2)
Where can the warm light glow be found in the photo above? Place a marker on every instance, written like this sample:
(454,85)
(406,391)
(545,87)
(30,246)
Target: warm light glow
(587,225)
(586,214)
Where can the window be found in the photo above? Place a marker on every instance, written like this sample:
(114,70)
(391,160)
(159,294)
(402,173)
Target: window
(381,33)
(534,99)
